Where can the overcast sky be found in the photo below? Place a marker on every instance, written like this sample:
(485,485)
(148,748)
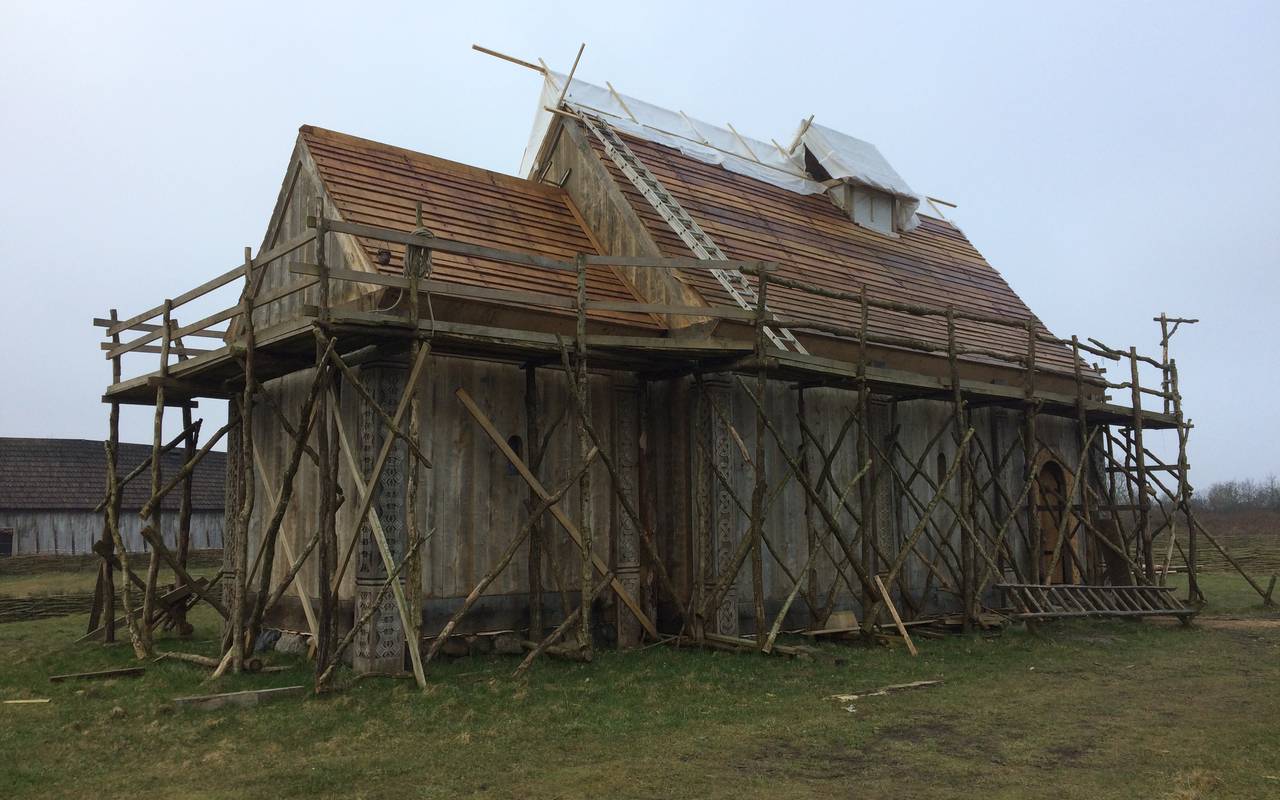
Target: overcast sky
(1112,160)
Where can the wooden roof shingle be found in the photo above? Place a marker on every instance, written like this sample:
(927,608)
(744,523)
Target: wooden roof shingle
(813,241)
(378,184)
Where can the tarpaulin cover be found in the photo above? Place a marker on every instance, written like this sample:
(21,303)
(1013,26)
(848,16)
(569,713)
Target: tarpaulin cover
(843,156)
(847,158)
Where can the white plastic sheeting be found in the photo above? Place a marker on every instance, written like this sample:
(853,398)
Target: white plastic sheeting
(847,158)
(844,157)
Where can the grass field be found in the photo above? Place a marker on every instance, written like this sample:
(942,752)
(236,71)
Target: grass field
(77,581)
(1085,710)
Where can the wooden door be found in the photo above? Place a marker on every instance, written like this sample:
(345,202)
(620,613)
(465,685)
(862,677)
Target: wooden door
(1051,505)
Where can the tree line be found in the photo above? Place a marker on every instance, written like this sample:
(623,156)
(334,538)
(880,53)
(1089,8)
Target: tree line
(1240,495)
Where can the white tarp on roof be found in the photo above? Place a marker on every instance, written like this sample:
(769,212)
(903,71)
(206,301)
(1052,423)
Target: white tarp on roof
(847,158)
(843,156)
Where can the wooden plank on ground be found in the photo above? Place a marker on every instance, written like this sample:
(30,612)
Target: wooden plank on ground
(893,612)
(251,697)
(125,672)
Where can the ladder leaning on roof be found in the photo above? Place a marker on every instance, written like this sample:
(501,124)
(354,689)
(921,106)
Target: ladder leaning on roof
(733,281)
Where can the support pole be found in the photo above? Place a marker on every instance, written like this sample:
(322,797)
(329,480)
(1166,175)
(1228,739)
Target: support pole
(1092,558)
(761,483)
(810,532)
(533,447)
(110,523)
(153,565)
(267,545)
(190,441)
(1140,467)
(866,498)
(1184,487)
(417,264)
(113,526)
(326,523)
(239,598)
(968,569)
(587,581)
(1029,453)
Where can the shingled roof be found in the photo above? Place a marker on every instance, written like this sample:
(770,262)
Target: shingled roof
(813,241)
(71,475)
(378,184)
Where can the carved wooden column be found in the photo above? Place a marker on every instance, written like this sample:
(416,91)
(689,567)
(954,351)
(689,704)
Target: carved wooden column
(714,518)
(380,646)
(626,444)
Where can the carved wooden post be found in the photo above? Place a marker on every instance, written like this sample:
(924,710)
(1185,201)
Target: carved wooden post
(720,522)
(626,447)
(379,647)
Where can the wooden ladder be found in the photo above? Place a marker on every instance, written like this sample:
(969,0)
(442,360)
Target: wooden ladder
(1058,601)
(692,234)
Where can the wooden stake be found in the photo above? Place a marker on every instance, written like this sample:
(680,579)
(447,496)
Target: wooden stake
(897,620)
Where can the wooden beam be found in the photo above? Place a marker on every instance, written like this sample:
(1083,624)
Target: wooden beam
(251,697)
(214,283)
(893,612)
(126,672)
(506,57)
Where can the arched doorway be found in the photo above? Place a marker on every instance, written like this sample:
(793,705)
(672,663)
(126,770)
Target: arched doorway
(1052,506)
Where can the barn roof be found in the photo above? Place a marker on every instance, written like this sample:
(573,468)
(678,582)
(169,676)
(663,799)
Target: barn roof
(71,475)
(814,241)
(378,184)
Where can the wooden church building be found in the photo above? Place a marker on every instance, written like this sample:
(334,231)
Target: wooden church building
(720,387)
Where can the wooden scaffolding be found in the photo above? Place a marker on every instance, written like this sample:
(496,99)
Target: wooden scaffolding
(993,552)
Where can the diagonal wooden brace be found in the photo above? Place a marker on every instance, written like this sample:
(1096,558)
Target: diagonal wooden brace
(555,509)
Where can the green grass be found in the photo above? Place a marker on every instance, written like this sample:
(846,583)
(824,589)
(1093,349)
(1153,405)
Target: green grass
(1085,710)
(1229,594)
(76,581)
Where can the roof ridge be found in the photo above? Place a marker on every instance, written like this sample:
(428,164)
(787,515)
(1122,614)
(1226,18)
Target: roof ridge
(438,162)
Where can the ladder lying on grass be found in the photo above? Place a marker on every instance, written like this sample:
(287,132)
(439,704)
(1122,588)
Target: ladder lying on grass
(1038,601)
(692,234)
